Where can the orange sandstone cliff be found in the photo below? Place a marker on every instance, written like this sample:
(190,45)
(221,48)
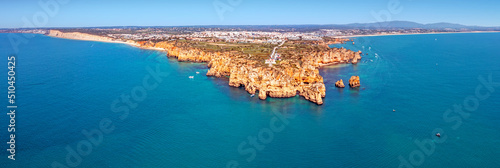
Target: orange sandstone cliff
(296,74)
(291,77)
(354,81)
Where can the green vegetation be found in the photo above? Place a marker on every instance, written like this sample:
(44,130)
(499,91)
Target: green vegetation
(249,50)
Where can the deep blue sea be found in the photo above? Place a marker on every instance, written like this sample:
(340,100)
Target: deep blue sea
(446,83)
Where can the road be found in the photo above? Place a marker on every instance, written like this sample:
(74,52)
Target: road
(274,50)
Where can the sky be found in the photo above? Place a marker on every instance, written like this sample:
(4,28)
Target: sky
(96,13)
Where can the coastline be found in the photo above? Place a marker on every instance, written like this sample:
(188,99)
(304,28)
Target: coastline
(203,106)
(276,83)
(135,44)
(297,75)
(88,37)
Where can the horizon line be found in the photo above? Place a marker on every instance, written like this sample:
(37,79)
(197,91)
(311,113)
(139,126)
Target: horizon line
(201,25)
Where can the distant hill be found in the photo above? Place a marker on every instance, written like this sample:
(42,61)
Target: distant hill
(314,27)
(392,24)
(377,25)
(412,25)
(444,25)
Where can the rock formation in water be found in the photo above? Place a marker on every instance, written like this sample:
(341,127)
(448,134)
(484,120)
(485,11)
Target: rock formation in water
(354,81)
(340,84)
(292,77)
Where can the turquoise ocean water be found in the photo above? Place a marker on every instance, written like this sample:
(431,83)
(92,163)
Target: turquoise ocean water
(65,87)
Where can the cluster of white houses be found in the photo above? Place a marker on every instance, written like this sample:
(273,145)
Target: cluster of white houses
(228,36)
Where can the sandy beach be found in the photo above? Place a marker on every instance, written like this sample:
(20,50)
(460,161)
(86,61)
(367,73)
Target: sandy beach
(89,37)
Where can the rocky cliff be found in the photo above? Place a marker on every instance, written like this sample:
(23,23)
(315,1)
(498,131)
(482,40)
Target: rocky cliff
(354,81)
(340,84)
(295,74)
(289,78)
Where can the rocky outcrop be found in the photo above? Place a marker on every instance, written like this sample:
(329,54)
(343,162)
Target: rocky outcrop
(356,58)
(340,84)
(296,74)
(336,56)
(354,81)
(291,78)
(262,94)
(314,93)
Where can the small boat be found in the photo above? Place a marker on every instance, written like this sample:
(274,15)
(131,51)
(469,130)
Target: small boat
(393,110)
(438,135)
(191,77)
(252,95)
(197,72)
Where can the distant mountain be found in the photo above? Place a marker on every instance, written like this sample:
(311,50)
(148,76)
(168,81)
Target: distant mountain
(391,24)
(444,25)
(315,27)
(377,25)
(413,25)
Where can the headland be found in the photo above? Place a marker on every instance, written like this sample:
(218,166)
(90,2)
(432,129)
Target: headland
(280,70)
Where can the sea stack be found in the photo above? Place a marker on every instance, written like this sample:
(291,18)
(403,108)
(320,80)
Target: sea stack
(340,84)
(262,95)
(357,56)
(354,81)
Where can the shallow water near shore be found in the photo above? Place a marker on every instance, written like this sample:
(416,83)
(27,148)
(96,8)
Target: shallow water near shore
(67,86)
